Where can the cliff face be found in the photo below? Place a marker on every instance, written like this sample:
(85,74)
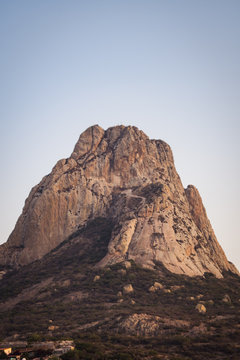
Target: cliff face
(123,175)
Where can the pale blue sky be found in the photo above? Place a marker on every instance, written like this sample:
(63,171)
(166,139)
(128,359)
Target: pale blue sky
(169,67)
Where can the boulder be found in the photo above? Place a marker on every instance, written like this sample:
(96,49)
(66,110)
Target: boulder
(127,264)
(152,289)
(158,285)
(201,308)
(226,299)
(128,289)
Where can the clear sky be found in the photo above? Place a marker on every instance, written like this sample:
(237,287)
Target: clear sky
(169,67)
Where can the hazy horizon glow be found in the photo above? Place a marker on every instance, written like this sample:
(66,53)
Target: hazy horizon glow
(170,68)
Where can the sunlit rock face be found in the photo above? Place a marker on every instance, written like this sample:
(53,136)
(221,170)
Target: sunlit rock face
(122,175)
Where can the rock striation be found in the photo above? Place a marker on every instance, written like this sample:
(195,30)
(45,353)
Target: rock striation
(122,175)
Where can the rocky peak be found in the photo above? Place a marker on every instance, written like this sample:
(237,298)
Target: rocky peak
(122,175)
(88,141)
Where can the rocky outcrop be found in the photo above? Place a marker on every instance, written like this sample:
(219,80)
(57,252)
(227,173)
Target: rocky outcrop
(201,308)
(155,287)
(122,175)
(150,325)
(127,289)
(226,299)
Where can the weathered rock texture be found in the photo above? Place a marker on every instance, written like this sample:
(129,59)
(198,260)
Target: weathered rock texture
(123,175)
(149,325)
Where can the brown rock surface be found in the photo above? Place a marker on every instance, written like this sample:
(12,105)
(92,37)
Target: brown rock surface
(123,175)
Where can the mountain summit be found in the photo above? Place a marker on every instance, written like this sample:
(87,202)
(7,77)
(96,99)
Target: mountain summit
(123,176)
